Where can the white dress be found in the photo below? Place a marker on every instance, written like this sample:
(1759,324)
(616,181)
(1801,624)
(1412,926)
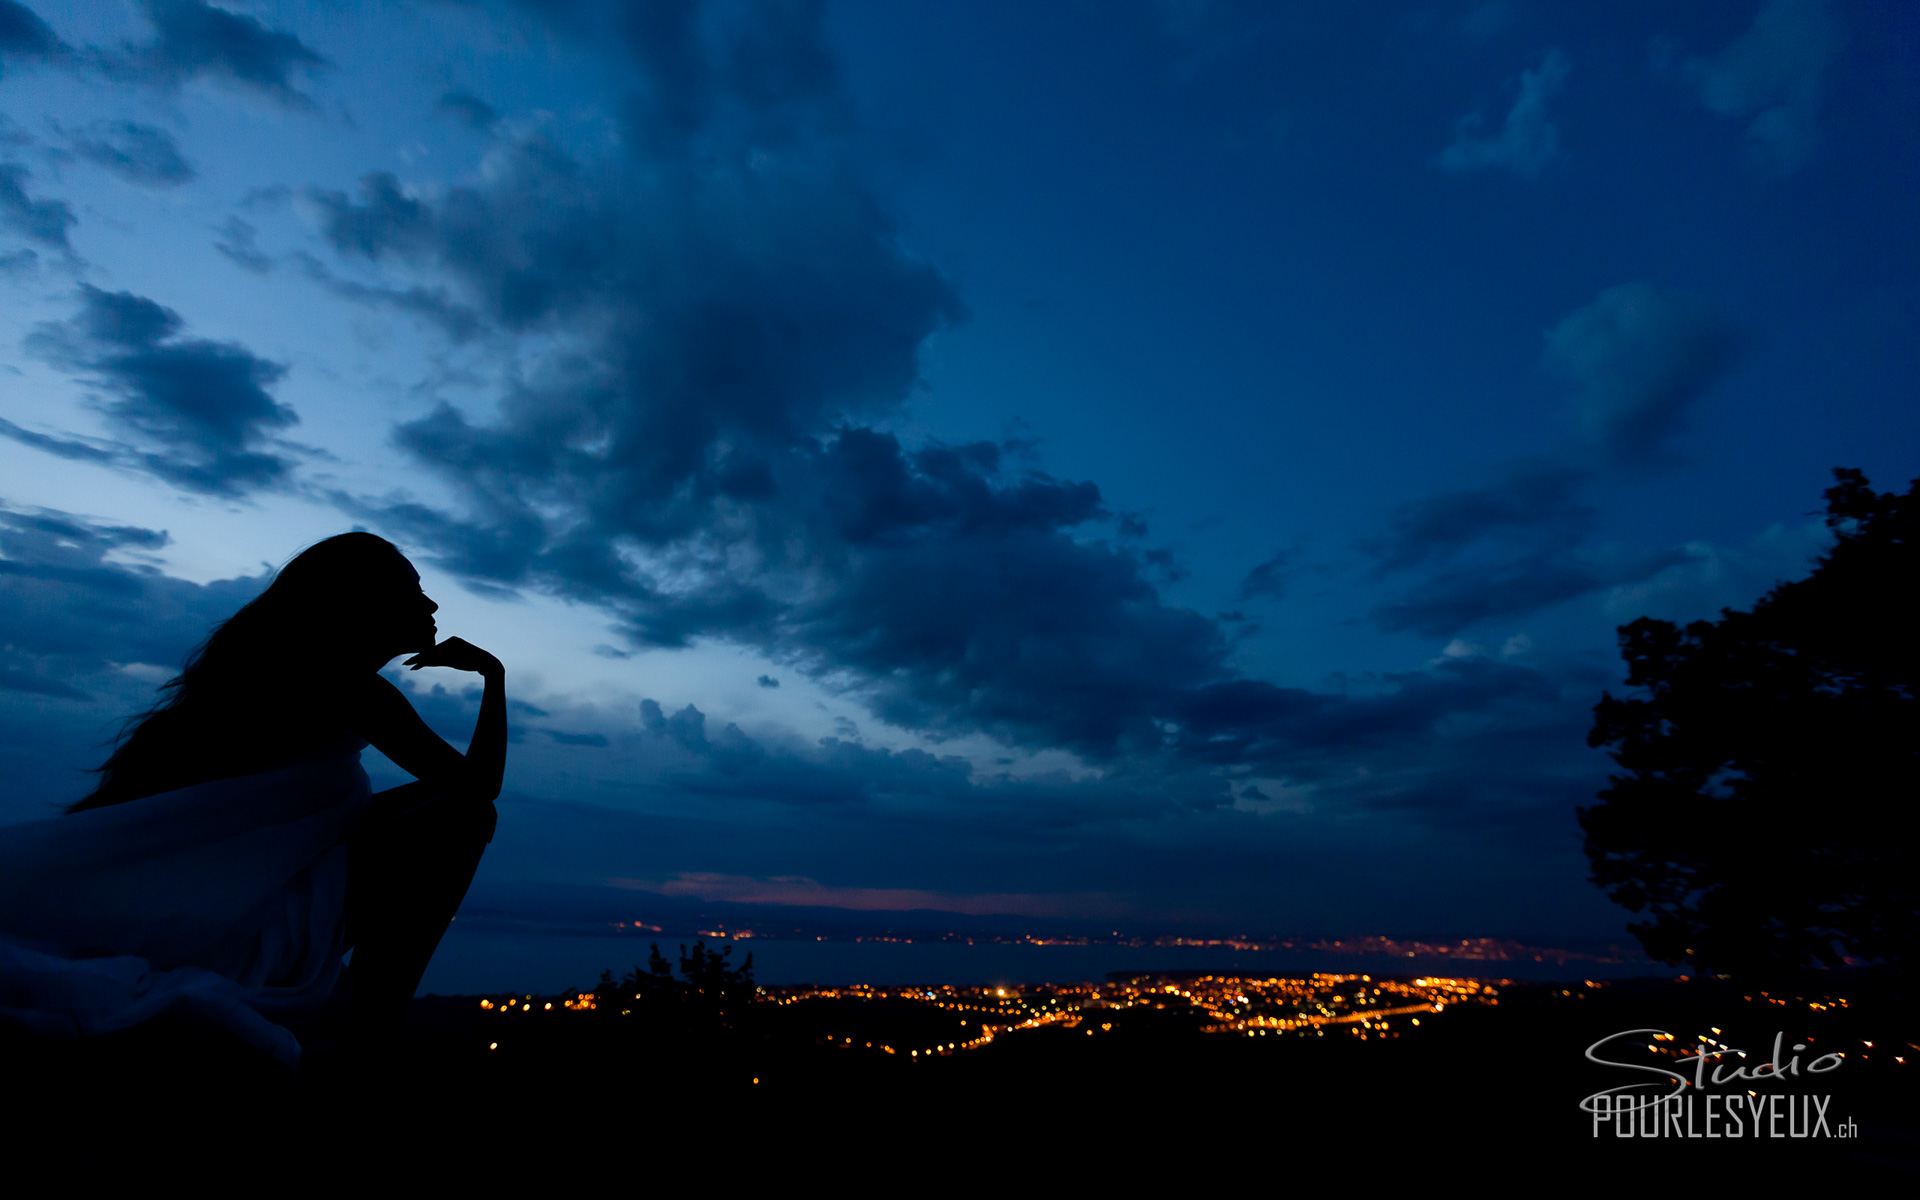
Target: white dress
(226,898)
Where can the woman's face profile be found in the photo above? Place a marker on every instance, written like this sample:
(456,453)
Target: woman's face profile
(401,612)
(361,595)
(417,609)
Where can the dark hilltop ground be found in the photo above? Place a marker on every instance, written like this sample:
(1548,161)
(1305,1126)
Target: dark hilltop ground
(1480,1089)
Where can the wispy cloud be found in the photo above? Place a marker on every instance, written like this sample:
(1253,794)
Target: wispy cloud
(1526,141)
(139,153)
(37,219)
(24,37)
(1773,75)
(1639,357)
(199,413)
(193,40)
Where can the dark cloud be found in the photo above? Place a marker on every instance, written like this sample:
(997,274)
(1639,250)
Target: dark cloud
(1397,769)
(695,459)
(1537,504)
(1270,578)
(1023,632)
(1639,356)
(1312,735)
(143,154)
(1510,549)
(1508,766)
(783,772)
(1773,76)
(194,40)
(237,242)
(54,538)
(72,607)
(199,412)
(767,681)
(71,448)
(959,596)
(468,109)
(44,221)
(1403,742)
(1453,600)
(1516,808)
(270,199)
(1400,762)
(1717,576)
(1527,141)
(701,457)
(430,304)
(88,628)
(1164,563)
(24,37)
(731,764)
(1500,550)
(562,737)
(703,72)
(33,685)
(384,221)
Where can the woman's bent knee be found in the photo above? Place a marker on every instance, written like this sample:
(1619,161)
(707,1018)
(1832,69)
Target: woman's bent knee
(455,817)
(421,863)
(486,819)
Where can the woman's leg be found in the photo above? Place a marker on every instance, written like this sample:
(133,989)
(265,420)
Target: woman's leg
(408,869)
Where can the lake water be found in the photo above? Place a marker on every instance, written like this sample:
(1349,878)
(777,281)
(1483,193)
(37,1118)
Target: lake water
(478,961)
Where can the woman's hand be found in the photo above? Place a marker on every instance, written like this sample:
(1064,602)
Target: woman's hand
(458,654)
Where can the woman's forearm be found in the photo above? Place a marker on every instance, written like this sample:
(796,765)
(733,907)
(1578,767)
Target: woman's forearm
(487,752)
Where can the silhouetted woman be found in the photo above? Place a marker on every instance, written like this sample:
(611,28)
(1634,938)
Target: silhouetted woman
(232,852)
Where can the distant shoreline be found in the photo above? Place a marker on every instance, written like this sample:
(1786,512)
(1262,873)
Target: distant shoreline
(480,961)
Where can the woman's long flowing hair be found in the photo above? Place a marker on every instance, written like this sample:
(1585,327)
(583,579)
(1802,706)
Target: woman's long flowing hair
(215,718)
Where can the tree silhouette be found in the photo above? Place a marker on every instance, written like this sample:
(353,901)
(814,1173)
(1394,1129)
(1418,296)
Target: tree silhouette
(711,991)
(713,985)
(1764,819)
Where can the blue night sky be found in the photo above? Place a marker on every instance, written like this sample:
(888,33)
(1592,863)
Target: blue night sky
(1175,463)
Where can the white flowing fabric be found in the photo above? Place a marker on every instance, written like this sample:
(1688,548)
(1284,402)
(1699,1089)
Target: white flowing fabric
(227,899)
